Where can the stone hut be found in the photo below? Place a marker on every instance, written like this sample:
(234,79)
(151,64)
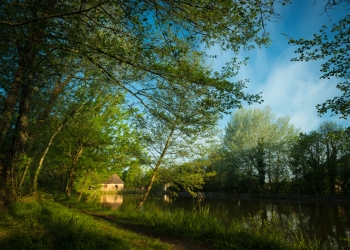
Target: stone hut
(114,183)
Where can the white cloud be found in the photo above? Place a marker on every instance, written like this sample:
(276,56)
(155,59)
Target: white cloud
(290,88)
(294,88)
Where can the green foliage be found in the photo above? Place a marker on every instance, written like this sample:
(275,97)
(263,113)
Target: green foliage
(317,161)
(330,45)
(255,151)
(189,177)
(62,58)
(180,118)
(134,177)
(92,144)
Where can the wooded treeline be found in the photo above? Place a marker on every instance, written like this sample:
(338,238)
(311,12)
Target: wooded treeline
(264,154)
(91,88)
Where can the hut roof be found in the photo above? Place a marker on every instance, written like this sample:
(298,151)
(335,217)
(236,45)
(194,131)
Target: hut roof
(114,179)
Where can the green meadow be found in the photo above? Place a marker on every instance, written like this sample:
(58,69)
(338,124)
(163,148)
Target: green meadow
(72,224)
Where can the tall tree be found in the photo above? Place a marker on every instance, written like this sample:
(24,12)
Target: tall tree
(98,139)
(254,142)
(307,164)
(317,160)
(134,44)
(179,118)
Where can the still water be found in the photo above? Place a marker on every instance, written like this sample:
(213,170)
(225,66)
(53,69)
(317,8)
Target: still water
(330,222)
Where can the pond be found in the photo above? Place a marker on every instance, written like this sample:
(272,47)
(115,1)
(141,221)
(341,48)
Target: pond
(330,222)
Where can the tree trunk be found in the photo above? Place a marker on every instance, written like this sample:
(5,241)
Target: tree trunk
(27,48)
(70,183)
(83,186)
(72,175)
(40,165)
(332,167)
(160,159)
(23,117)
(261,165)
(20,137)
(10,102)
(5,121)
(43,116)
(24,175)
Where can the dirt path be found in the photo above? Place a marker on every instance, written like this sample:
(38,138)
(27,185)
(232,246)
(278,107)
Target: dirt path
(177,243)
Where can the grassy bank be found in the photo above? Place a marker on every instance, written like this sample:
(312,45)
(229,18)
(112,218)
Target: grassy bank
(200,226)
(29,224)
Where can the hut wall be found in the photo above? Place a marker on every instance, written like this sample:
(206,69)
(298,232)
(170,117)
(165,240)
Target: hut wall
(112,187)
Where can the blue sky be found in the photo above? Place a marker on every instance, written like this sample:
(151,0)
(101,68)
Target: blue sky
(290,88)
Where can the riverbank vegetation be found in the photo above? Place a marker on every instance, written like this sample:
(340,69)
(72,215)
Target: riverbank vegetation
(29,224)
(265,154)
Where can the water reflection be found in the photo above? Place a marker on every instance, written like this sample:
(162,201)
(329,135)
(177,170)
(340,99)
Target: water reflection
(112,200)
(330,222)
(167,198)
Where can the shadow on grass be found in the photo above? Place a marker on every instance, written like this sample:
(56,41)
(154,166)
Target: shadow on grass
(30,225)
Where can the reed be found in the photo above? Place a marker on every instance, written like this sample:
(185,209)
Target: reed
(199,225)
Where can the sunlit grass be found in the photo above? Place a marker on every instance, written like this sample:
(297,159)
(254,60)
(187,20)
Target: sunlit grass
(199,225)
(28,224)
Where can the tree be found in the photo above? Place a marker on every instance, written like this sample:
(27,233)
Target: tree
(51,120)
(178,117)
(98,139)
(334,141)
(255,146)
(307,164)
(133,177)
(134,44)
(190,169)
(331,46)
(317,160)
(189,177)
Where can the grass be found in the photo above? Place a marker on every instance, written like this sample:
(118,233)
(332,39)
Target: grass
(199,225)
(29,224)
